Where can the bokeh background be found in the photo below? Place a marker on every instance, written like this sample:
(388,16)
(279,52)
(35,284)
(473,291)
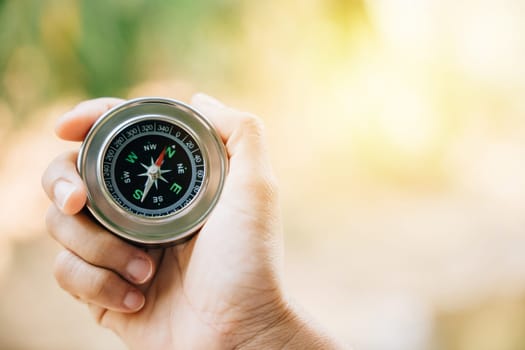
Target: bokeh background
(396,128)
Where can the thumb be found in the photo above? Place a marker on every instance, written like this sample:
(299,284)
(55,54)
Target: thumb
(244,136)
(250,190)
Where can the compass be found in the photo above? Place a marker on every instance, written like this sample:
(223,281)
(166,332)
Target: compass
(154,169)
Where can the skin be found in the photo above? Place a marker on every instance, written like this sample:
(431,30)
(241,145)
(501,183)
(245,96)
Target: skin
(220,290)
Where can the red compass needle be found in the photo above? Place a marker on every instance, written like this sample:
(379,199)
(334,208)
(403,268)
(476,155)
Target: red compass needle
(160,159)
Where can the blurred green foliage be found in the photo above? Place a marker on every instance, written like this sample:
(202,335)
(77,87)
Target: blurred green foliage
(92,48)
(96,47)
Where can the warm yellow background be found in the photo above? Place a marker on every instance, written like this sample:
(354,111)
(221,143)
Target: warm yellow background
(397,130)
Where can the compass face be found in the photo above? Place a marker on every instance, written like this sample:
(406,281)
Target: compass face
(153,168)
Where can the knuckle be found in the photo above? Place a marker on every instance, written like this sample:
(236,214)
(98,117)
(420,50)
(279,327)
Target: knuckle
(76,277)
(95,249)
(97,285)
(248,136)
(52,217)
(250,123)
(98,314)
(107,250)
(63,269)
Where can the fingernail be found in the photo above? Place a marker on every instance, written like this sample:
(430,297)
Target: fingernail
(62,191)
(139,269)
(133,300)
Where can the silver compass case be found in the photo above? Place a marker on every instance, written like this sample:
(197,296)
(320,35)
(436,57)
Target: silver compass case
(106,206)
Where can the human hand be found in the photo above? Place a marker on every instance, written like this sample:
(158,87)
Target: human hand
(221,289)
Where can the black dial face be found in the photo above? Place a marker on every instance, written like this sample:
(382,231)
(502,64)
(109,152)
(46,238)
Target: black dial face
(153,168)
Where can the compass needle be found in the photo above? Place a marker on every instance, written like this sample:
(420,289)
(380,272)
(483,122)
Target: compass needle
(160,159)
(147,187)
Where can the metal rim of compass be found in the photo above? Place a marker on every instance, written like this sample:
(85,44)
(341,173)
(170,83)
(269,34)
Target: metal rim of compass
(156,231)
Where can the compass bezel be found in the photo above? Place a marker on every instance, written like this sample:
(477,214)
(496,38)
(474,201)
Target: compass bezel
(158,230)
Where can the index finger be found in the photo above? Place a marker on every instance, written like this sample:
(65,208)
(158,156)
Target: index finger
(75,124)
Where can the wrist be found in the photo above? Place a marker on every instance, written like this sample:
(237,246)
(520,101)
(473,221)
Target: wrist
(288,329)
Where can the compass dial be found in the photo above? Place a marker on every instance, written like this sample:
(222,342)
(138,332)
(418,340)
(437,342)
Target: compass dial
(154,169)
